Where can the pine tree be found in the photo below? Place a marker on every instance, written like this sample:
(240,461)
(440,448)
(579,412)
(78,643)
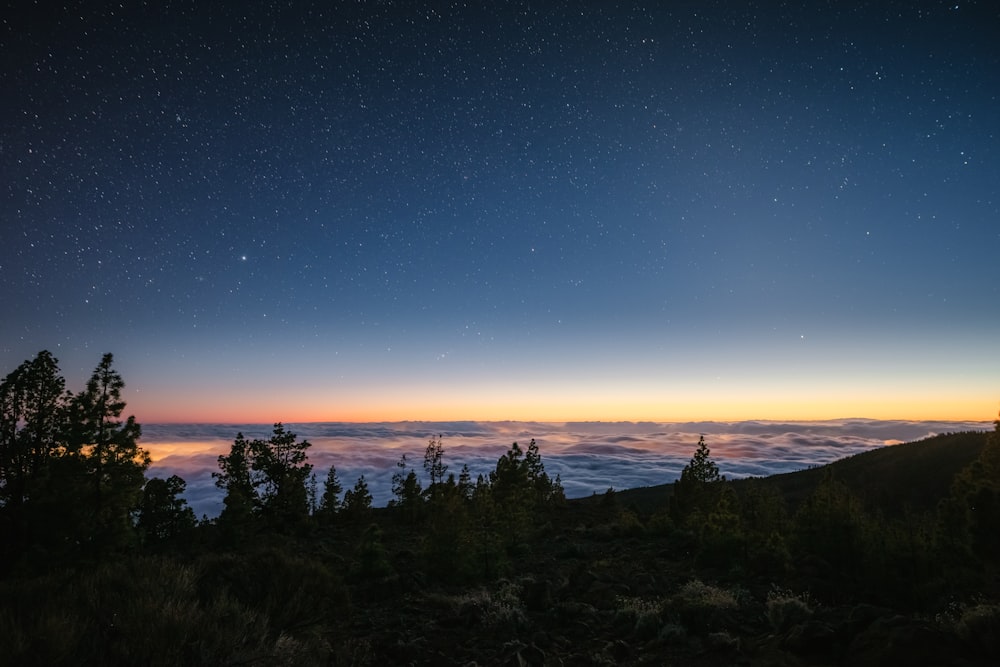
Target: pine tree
(164,515)
(32,407)
(697,490)
(358,501)
(281,461)
(35,509)
(329,504)
(408,496)
(465,485)
(434,464)
(236,479)
(110,451)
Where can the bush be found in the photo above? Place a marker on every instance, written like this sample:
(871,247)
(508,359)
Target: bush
(786,609)
(641,614)
(701,607)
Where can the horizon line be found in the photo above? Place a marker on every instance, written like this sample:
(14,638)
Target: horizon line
(566,421)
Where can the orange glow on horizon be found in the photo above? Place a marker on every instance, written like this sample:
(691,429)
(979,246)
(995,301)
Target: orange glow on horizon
(723,408)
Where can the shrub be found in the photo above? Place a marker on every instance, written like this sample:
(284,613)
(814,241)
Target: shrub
(641,613)
(786,609)
(702,607)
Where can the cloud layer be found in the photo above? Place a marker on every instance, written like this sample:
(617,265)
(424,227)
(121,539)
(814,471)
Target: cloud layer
(589,456)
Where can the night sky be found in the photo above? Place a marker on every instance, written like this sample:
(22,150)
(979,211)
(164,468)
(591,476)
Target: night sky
(533,210)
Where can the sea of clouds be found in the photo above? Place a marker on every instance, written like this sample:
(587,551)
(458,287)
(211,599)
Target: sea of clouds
(590,457)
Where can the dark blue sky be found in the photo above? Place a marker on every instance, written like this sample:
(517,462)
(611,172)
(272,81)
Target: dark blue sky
(379,210)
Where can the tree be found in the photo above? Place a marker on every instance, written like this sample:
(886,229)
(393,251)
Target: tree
(697,491)
(281,461)
(266,479)
(408,496)
(434,461)
(235,478)
(358,501)
(520,488)
(34,509)
(329,503)
(509,480)
(465,485)
(164,514)
(538,479)
(110,451)
(32,406)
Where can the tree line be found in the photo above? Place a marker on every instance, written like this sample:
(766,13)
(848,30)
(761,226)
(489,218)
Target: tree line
(836,545)
(72,484)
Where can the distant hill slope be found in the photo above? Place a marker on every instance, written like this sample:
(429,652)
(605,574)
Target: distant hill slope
(894,478)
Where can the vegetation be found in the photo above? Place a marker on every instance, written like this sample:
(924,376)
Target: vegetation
(888,557)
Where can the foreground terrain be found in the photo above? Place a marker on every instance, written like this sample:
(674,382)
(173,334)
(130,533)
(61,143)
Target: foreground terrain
(845,564)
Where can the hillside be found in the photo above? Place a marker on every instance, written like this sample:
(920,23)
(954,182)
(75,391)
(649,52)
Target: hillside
(892,479)
(503,576)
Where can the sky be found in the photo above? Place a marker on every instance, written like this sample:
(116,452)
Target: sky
(555,211)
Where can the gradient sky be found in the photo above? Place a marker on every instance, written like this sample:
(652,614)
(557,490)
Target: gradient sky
(368,211)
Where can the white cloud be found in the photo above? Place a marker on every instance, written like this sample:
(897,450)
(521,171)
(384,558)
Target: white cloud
(590,457)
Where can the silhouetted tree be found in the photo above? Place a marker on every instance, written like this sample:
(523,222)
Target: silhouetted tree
(358,501)
(434,464)
(465,485)
(487,527)
(235,478)
(110,451)
(329,503)
(408,496)
(281,460)
(34,508)
(32,407)
(266,479)
(164,515)
(697,491)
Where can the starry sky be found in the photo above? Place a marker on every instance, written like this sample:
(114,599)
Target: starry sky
(377,211)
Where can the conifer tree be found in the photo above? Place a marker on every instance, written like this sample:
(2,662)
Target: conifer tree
(236,479)
(32,407)
(408,496)
(697,491)
(281,461)
(434,464)
(465,485)
(38,504)
(329,503)
(112,456)
(164,515)
(358,501)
